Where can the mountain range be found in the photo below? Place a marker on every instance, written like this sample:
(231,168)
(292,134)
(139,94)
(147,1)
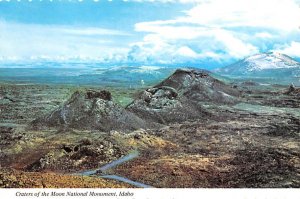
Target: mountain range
(270,65)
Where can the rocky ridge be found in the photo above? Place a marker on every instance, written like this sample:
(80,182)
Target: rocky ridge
(176,99)
(91,110)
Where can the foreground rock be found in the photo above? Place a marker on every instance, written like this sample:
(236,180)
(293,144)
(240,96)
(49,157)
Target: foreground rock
(165,105)
(180,97)
(200,86)
(18,179)
(86,153)
(251,144)
(292,90)
(242,150)
(91,110)
(176,99)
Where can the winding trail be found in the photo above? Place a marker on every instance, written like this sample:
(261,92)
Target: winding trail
(101,172)
(126,180)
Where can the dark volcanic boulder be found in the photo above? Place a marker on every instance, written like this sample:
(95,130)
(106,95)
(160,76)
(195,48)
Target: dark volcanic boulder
(164,105)
(91,110)
(292,90)
(180,97)
(199,86)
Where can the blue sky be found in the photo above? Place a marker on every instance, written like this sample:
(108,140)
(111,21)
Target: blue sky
(207,33)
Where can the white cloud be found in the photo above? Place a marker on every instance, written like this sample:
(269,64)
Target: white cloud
(221,30)
(276,14)
(216,38)
(234,46)
(186,52)
(213,30)
(263,35)
(165,1)
(30,41)
(293,49)
(176,1)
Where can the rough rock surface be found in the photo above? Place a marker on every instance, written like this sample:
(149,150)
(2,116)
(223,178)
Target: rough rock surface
(179,97)
(71,157)
(250,144)
(91,110)
(164,105)
(8,136)
(292,90)
(20,179)
(200,86)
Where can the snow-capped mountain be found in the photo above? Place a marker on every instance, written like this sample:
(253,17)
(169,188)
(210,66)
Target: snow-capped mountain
(270,61)
(265,65)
